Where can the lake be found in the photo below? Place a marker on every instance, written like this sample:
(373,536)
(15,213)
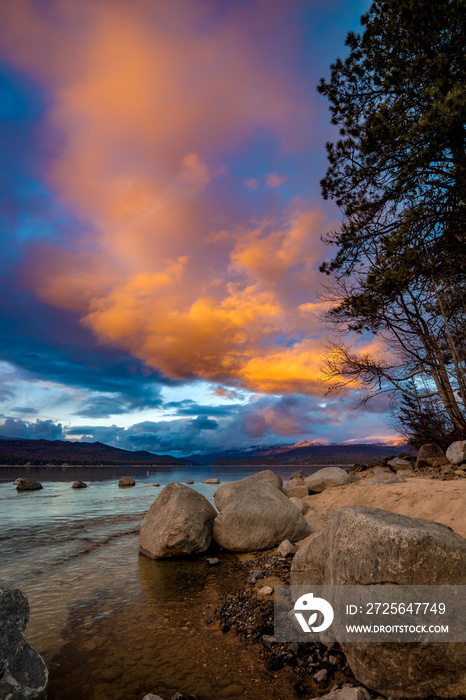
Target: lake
(109,622)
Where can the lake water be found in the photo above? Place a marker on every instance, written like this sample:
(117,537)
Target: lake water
(110,623)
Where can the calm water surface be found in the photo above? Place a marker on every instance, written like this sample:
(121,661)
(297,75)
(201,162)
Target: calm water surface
(109,622)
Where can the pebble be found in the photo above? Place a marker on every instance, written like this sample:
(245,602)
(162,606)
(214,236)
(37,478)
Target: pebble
(266,590)
(213,561)
(321,675)
(255,576)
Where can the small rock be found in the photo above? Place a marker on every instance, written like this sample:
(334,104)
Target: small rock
(126,481)
(348,692)
(213,561)
(182,696)
(255,576)
(266,590)
(321,675)
(151,696)
(460,472)
(285,549)
(156,485)
(268,641)
(297,491)
(190,481)
(398,464)
(211,481)
(28,485)
(79,485)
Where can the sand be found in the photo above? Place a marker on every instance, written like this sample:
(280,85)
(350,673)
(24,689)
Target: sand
(440,501)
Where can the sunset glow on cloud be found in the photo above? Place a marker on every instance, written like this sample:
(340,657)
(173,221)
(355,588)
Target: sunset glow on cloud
(180,219)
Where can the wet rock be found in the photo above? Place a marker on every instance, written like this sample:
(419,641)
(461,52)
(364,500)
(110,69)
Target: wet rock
(362,546)
(79,485)
(27,485)
(327,478)
(285,548)
(256,515)
(299,475)
(398,464)
(126,481)
(430,455)
(178,523)
(156,485)
(456,453)
(301,505)
(23,674)
(190,481)
(227,491)
(211,481)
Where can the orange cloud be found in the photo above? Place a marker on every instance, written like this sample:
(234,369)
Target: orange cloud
(147,104)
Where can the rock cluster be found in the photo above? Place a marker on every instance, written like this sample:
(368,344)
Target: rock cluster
(23,674)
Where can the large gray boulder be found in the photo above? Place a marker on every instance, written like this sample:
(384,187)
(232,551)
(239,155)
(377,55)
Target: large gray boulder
(227,491)
(23,674)
(362,546)
(178,523)
(257,516)
(327,478)
(456,453)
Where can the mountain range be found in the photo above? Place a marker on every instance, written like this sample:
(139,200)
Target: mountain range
(58,452)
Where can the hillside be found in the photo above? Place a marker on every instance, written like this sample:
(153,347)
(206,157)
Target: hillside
(85,453)
(305,453)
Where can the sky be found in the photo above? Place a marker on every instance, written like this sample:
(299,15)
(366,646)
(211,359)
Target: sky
(161,223)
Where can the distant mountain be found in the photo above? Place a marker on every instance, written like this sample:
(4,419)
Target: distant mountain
(84,453)
(304,452)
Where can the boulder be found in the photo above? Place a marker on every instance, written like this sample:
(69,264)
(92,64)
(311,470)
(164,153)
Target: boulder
(285,548)
(27,485)
(430,455)
(300,504)
(227,491)
(255,515)
(126,481)
(397,464)
(298,475)
(327,478)
(211,481)
(456,453)
(178,523)
(79,485)
(23,673)
(362,546)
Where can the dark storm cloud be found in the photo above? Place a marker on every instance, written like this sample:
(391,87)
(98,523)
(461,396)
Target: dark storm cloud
(40,429)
